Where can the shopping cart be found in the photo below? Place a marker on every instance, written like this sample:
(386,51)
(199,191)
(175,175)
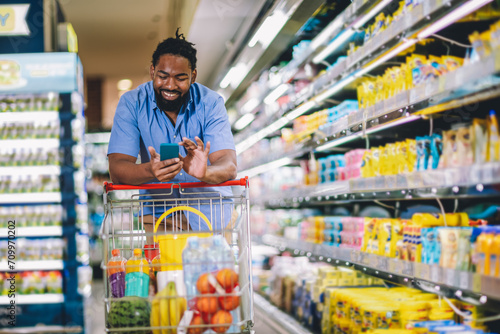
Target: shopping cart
(218,224)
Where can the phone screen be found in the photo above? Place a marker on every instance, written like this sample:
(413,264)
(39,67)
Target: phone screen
(169,151)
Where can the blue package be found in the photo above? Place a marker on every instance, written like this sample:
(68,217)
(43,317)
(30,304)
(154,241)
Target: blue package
(426,324)
(436,149)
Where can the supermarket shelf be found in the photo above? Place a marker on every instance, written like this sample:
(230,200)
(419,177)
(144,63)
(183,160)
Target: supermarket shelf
(35,231)
(34,265)
(31,143)
(474,288)
(29,198)
(374,53)
(31,170)
(29,116)
(42,329)
(46,298)
(430,97)
(468,181)
(275,318)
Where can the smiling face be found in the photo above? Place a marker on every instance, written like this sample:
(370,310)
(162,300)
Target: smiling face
(172,76)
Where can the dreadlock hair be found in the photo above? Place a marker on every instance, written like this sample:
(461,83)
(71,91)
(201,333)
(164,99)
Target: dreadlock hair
(177,46)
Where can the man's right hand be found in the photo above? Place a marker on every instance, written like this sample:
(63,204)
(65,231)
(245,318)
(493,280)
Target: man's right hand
(164,170)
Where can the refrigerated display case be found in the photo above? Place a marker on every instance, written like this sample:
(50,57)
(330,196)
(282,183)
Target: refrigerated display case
(43,195)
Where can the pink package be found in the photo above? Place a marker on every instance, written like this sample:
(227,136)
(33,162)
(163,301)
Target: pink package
(356,157)
(340,174)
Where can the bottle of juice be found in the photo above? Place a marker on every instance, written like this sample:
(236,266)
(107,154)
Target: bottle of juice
(495,255)
(116,274)
(483,245)
(137,275)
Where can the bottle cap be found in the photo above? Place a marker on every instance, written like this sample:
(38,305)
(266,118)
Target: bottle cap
(137,252)
(115,252)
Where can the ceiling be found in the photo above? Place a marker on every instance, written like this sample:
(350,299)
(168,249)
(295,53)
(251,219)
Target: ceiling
(117,37)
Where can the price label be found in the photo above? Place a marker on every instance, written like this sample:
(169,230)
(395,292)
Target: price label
(407,268)
(464,280)
(450,277)
(355,256)
(476,283)
(431,87)
(417,94)
(382,263)
(422,271)
(435,274)
(402,99)
(397,267)
(408,20)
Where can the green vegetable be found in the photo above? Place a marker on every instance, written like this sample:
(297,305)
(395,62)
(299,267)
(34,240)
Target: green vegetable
(129,312)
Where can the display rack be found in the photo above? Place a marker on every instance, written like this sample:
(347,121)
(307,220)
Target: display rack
(43,113)
(468,286)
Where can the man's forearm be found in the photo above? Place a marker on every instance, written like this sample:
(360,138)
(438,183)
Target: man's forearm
(126,172)
(220,173)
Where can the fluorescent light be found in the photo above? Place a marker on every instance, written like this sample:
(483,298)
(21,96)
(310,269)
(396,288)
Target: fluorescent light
(337,42)
(266,167)
(335,88)
(250,105)
(269,29)
(406,44)
(400,121)
(234,75)
(124,84)
(325,34)
(452,17)
(44,116)
(31,170)
(276,93)
(365,18)
(244,121)
(337,142)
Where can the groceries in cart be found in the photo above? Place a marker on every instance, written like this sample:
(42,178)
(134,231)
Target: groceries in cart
(187,281)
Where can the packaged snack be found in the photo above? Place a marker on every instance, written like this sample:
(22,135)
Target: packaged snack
(384,247)
(480,44)
(436,149)
(464,145)
(366,165)
(449,247)
(449,157)
(417,65)
(452,63)
(412,154)
(479,140)
(376,152)
(438,66)
(463,252)
(493,138)
(396,237)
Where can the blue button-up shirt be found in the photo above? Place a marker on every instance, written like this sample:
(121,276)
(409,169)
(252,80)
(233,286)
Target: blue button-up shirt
(139,123)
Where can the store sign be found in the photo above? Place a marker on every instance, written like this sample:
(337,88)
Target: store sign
(13,20)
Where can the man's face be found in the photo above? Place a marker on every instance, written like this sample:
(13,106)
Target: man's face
(172,76)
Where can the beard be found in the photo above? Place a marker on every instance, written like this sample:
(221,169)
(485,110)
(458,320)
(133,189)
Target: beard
(169,105)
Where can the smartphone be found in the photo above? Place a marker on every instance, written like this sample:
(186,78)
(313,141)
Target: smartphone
(169,151)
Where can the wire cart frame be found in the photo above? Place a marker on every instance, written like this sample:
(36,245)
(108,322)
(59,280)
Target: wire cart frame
(202,214)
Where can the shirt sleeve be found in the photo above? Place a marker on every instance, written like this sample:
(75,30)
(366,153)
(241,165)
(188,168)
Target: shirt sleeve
(217,128)
(125,135)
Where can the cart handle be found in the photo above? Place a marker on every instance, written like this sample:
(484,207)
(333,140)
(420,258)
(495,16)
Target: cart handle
(108,186)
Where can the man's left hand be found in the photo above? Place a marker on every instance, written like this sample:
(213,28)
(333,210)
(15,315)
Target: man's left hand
(195,162)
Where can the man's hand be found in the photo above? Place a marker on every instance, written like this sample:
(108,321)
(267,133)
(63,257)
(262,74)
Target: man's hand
(164,170)
(195,162)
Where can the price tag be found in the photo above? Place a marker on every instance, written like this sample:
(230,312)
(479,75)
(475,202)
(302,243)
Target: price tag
(408,20)
(379,108)
(450,277)
(476,283)
(382,263)
(402,99)
(417,13)
(355,255)
(464,280)
(435,274)
(397,267)
(441,84)
(422,271)
(390,104)
(431,87)
(451,82)
(417,94)
(407,268)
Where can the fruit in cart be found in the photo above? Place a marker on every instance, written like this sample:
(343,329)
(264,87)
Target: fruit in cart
(228,302)
(167,309)
(130,312)
(208,305)
(227,278)
(221,321)
(177,306)
(205,283)
(196,321)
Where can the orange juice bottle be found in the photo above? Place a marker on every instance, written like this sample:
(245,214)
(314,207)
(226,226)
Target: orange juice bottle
(483,245)
(495,255)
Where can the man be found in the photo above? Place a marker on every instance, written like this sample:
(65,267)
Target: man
(173,108)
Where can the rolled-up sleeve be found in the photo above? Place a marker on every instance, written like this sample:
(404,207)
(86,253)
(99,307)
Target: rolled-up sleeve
(125,135)
(217,127)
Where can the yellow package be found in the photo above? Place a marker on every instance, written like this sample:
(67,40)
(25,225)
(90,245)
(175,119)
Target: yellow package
(481,43)
(464,146)
(376,160)
(452,63)
(384,160)
(374,242)
(408,320)
(493,153)
(380,87)
(449,247)
(366,166)
(412,154)
(396,237)
(367,234)
(393,159)
(379,25)
(384,242)
(495,35)
(479,140)
(438,66)
(416,64)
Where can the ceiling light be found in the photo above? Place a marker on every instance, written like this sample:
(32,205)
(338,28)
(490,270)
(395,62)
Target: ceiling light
(361,22)
(276,93)
(269,29)
(244,121)
(337,42)
(250,105)
(124,84)
(234,75)
(452,17)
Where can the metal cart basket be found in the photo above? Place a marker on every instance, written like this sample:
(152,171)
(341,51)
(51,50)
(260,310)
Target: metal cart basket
(195,238)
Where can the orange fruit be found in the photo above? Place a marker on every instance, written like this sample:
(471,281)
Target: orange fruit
(229,303)
(221,321)
(197,320)
(203,284)
(207,304)
(227,278)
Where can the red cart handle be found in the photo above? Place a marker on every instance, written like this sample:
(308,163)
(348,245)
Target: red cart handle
(108,186)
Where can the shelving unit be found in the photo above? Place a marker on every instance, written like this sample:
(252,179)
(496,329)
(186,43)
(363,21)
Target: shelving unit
(50,137)
(336,75)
